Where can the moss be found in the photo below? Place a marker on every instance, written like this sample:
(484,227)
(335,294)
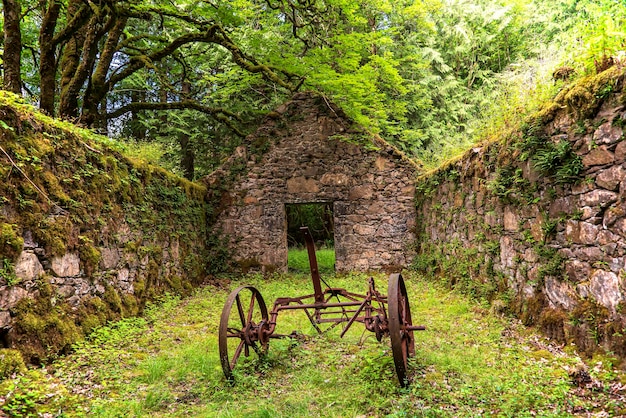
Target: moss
(130,305)
(113,300)
(580,101)
(585,97)
(552,322)
(11,362)
(92,314)
(43,329)
(175,283)
(11,244)
(89,255)
(529,310)
(588,323)
(55,233)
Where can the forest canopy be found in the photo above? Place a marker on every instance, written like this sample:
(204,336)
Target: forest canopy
(188,79)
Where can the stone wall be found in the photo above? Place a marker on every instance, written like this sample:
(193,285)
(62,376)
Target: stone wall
(306,152)
(536,221)
(86,235)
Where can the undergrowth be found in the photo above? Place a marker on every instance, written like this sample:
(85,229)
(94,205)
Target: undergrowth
(469,362)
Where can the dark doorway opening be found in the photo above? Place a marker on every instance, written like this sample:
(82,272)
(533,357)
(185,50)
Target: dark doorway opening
(319,218)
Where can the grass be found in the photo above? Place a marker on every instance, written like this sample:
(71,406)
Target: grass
(469,363)
(298,260)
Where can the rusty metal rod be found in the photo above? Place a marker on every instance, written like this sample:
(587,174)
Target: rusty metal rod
(316,306)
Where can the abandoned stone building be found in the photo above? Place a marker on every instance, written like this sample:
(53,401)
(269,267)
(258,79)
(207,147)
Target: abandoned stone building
(308,151)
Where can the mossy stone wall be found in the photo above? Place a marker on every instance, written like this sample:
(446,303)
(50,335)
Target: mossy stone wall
(536,221)
(86,235)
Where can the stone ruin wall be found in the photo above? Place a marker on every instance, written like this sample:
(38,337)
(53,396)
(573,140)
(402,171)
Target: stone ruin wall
(99,237)
(313,157)
(557,252)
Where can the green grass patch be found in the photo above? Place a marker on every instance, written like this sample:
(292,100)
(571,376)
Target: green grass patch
(166,364)
(298,260)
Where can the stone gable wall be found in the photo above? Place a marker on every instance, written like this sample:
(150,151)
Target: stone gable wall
(548,248)
(313,157)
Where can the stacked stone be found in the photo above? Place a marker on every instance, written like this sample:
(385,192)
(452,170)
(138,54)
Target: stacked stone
(119,267)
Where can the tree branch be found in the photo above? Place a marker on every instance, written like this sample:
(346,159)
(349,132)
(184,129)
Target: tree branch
(218,113)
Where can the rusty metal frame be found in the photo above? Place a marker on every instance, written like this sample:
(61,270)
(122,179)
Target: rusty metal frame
(370,309)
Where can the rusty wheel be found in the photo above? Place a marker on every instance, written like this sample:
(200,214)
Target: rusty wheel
(400,332)
(243,326)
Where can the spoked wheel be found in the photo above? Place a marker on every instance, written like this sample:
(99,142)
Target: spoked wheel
(243,328)
(400,326)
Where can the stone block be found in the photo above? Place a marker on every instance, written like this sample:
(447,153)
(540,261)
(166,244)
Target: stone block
(29,242)
(66,266)
(27,266)
(588,233)
(364,229)
(563,206)
(582,187)
(560,294)
(511,221)
(305,185)
(611,178)
(604,287)
(619,227)
(5,320)
(598,156)
(620,152)
(590,254)
(328,179)
(361,192)
(607,134)
(110,258)
(507,252)
(10,296)
(577,271)
(598,197)
(381,163)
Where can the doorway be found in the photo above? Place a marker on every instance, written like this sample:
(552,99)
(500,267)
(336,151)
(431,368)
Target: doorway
(319,217)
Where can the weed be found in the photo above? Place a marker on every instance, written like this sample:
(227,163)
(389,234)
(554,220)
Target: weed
(7,273)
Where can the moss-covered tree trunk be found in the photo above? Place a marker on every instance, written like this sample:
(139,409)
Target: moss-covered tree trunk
(69,64)
(12,46)
(99,85)
(47,59)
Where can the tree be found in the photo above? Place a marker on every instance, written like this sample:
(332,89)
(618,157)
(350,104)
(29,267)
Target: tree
(12,46)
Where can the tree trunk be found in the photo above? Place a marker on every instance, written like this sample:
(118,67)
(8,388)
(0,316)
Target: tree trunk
(70,60)
(12,46)
(138,131)
(98,86)
(47,60)
(187,152)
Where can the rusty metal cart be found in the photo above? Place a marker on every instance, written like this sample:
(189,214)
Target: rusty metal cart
(246,326)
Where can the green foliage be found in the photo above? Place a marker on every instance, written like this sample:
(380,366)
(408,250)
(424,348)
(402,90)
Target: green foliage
(554,159)
(509,183)
(560,161)
(317,216)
